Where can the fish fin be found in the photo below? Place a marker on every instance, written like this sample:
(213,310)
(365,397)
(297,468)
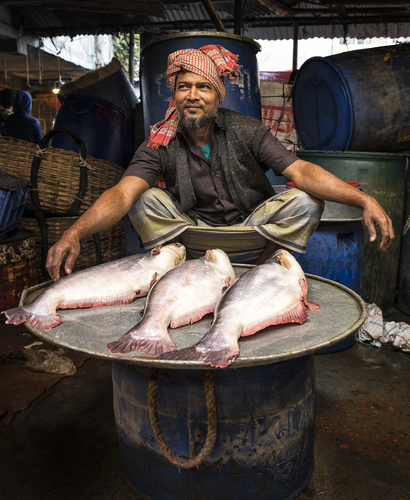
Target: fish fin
(40,321)
(218,358)
(228,283)
(303,286)
(193,317)
(312,306)
(148,343)
(153,279)
(156,249)
(296,315)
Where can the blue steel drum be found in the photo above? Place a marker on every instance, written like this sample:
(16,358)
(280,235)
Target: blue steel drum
(265,453)
(99,123)
(336,251)
(355,101)
(264,423)
(242,95)
(403,300)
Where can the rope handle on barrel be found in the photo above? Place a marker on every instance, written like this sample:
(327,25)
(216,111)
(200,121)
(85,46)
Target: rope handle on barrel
(183,463)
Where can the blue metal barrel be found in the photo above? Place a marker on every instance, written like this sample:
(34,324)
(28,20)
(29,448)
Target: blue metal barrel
(99,123)
(265,431)
(336,251)
(242,95)
(355,101)
(403,300)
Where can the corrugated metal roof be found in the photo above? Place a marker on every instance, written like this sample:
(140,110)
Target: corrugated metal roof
(258,21)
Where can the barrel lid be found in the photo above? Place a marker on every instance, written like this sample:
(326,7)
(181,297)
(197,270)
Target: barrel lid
(322,106)
(357,155)
(203,34)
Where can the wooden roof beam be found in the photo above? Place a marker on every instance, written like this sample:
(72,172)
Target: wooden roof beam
(213,15)
(277,8)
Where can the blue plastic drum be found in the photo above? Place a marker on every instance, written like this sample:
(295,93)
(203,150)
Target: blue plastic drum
(99,123)
(355,101)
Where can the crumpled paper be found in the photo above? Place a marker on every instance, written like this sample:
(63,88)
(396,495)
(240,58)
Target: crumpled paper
(380,332)
(44,360)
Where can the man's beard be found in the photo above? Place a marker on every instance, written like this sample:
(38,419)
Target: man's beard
(196,123)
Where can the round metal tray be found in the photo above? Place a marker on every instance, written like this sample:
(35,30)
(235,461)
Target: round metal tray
(342,311)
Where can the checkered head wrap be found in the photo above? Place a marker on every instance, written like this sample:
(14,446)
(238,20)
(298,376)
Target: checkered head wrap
(213,62)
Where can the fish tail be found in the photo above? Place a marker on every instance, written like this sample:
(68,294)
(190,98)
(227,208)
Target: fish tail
(312,306)
(42,322)
(147,342)
(208,354)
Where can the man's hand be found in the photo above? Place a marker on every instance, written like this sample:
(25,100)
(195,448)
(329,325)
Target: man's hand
(110,207)
(68,248)
(374,215)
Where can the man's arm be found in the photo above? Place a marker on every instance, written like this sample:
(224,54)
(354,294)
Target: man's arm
(318,182)
(110,207)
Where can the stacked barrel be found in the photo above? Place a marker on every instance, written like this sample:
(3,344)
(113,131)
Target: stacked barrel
(351,117)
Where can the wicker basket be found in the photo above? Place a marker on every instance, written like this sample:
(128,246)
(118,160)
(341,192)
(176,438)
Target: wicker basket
(64,181)
(111,240)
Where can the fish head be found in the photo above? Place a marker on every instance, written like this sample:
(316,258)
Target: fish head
(216,255)
(218,258)
(177,251)
(286,260)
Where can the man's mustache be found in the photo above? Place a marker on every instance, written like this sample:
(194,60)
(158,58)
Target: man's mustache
(192,105)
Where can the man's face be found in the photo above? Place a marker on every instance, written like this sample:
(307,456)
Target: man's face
(196,100)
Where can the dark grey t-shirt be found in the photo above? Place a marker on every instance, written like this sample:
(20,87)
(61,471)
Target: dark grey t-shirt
(214,203)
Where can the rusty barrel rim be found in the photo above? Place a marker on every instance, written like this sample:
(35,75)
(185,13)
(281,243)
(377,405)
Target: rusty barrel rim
(202,34)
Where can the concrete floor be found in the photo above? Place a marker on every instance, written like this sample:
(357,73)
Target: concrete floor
(59,441)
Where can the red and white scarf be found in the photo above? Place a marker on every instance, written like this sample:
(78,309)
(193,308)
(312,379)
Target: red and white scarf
(212,62)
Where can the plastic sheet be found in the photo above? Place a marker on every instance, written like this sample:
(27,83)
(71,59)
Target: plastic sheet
(44,360)
(379,332)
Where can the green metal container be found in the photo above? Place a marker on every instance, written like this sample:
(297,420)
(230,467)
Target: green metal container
(381,175)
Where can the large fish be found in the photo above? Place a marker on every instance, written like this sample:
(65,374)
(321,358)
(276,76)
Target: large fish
(269,294)
(184,295)
(116,282)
